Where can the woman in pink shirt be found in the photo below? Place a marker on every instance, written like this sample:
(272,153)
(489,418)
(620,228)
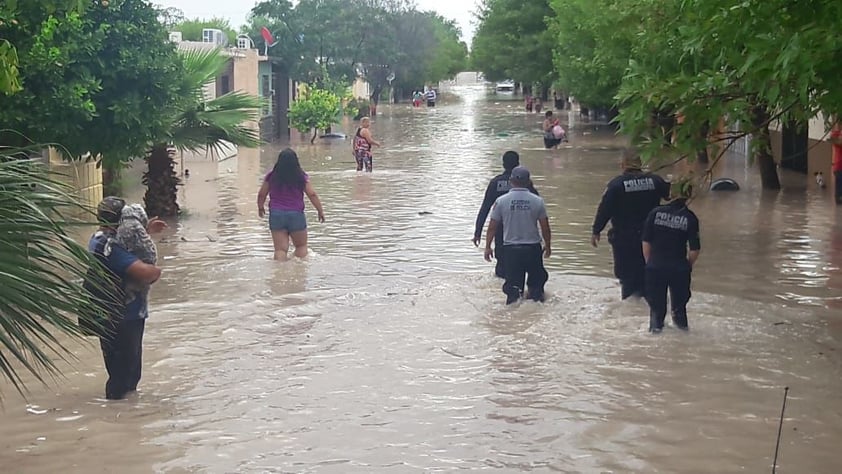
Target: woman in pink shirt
(285,186)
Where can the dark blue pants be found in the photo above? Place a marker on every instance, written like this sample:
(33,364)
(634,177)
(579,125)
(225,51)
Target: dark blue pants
(524,265)
(122,350)
(676,279)
(499,253)
(629,266)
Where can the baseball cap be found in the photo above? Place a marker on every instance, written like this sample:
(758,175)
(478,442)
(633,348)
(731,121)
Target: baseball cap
(109,210)
(520,173)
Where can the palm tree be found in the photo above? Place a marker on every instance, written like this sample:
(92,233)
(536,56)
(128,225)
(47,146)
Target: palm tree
(200,124)
(41,268)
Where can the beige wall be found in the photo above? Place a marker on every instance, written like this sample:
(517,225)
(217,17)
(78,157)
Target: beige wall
(819,155)
(244,76)
(361,89)
(84,178)
(247,75)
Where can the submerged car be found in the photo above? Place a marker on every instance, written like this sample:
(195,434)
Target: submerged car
(505,86)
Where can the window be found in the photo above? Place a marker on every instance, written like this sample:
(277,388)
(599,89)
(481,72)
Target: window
(225,84)
(207,36)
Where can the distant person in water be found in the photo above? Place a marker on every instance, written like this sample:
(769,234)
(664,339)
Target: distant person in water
(539,106)
(417,97)
(554,134)
(363,143)
(529,102)
(836,164)
(431,97)
(285,186)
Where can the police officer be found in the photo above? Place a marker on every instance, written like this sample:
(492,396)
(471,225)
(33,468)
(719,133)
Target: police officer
(667,233)
(627,200)
(498,186)
(521,212)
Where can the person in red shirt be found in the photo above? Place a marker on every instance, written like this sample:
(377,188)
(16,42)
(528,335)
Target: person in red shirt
(836,143)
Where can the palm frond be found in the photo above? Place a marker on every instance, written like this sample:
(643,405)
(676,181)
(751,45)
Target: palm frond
(41,269)
(212,124)
(200,67)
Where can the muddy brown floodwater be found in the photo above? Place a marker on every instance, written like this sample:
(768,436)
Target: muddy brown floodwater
(390,349)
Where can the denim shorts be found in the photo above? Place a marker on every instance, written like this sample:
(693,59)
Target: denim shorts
(290,221)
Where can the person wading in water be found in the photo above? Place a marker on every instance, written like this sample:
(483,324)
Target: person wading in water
(668,233)
(626,202)
(498,186)
(521,213)
(285,186)
(121,292)
(363,141)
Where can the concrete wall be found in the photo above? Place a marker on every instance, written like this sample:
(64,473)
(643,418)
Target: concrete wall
(245,66)
(819,154)
(241,74)
(84,178)
(361,89)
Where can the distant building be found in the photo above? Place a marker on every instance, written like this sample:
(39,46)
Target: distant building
(251,73)
(361,89)
(806,150)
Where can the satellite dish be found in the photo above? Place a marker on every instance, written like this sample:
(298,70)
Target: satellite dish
(268,40)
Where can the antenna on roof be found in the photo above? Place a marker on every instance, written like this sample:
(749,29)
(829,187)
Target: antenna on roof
(268,40)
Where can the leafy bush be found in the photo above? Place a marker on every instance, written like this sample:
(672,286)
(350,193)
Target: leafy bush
(357,108)
(318,110)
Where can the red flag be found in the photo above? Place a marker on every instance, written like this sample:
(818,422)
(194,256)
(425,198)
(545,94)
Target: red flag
(267,35)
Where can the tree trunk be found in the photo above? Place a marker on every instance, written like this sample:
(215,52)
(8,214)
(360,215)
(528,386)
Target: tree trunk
(666,123)
(763,149)
(702,154)
(315,134)
(545,93)
(111,184)
(161,198)
(375,98)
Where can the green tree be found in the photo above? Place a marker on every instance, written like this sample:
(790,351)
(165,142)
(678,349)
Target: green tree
(512,41)
(170,17)
(592,46)
(313,35)
(99,80)
(198,124)
(755,63)
(317,111)
(449,54)
(191,30)
(346,39)
(9,13)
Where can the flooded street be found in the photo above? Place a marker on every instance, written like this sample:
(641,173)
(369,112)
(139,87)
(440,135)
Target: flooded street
(390,348)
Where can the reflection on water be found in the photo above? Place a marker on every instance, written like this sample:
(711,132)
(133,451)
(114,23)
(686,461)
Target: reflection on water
(389,348)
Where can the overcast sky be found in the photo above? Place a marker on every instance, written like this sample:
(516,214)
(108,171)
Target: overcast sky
(236,10)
